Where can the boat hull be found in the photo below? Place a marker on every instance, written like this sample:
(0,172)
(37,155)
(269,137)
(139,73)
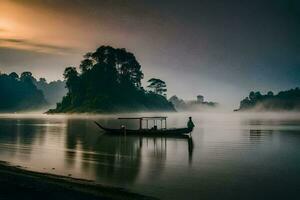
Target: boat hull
(147,132)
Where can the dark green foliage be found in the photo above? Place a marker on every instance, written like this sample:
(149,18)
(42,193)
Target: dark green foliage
(286,100)
(109,81)
(158,86)
(19,93)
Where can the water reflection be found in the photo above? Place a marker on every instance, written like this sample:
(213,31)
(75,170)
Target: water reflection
(86,151)
(225,153)
(257,135)
(191,149)
(18,136)
(115,158)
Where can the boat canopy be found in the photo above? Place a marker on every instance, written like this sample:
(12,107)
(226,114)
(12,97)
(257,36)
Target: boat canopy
(154,119)
(158,118)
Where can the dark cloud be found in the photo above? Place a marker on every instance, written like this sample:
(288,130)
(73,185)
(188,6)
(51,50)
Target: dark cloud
(12,40)
(33,46)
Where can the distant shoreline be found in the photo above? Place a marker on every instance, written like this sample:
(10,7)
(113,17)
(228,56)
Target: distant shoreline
(20,183)
(52,112)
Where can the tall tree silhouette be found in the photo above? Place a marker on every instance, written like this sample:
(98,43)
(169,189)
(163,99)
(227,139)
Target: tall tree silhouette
(158,86)
(71,75)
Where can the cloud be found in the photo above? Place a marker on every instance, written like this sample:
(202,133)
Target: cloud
(11,40)
(16,43)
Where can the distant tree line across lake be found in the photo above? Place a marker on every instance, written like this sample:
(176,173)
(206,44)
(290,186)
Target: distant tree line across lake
(193,105)
(285,100)
(53,90)
(23,92)
(109,80)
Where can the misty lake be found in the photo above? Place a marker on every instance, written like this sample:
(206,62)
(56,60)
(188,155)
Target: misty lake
(230,155)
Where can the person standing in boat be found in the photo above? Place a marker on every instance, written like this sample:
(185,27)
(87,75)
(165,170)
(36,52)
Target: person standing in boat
(190,123)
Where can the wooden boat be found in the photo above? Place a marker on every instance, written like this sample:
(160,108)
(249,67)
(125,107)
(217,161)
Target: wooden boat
(162,131)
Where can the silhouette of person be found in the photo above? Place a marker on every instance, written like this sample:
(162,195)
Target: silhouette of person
(190,123)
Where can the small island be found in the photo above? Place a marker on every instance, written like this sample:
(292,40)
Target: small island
(283,101)
(109,81)
(194,105)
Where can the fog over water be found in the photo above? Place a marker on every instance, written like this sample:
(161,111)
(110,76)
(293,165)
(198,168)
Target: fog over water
(249,153)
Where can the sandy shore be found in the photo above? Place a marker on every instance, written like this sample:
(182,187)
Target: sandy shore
(17,183)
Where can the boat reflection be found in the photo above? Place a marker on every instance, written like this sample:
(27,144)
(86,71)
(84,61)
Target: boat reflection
(77,147)
(119,159)
(258,135)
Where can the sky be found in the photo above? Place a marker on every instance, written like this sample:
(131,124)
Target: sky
(219,49)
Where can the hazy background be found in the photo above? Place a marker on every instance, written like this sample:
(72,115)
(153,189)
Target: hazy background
(220,49)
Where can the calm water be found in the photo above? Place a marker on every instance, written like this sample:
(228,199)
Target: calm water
(230,156)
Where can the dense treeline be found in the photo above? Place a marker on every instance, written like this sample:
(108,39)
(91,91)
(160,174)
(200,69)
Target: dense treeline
(19,93)
(109,81)
(285,100)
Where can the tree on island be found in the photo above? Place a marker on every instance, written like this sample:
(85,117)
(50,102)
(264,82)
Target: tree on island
(109,81)
(192,105)
(284,100)
(158,86)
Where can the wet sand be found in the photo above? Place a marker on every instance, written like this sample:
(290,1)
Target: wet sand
(18,183)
